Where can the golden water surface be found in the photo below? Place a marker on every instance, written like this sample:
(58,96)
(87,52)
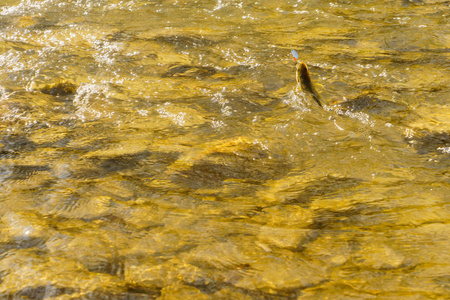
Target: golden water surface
(162,150)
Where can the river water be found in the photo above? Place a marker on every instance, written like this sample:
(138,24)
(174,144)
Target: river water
(163,150)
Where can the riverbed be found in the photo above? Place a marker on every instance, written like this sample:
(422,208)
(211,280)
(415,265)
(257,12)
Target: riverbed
(163,150)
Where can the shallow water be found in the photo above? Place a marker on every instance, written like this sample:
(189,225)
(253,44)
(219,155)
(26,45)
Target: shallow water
(184,162)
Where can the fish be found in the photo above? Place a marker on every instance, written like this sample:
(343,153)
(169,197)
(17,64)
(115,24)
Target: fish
(304,79)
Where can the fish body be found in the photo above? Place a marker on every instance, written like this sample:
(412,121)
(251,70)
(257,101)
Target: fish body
(304,79)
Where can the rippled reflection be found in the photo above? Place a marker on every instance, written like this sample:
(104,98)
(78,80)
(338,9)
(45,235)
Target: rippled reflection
(162,149)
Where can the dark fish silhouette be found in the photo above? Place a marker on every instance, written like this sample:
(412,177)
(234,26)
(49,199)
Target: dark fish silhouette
(304,79)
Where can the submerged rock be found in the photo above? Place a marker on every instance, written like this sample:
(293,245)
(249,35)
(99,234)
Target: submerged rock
(427,142)
(267,276)
(23,172)
(181,291)
(287,238)
(15,144)
(370,104)
(236,160)
(183,41)
(45,277)
(301,192)
(60,89)
(326,186)
(95,252)
(198,72)
(24,225)
(152,274)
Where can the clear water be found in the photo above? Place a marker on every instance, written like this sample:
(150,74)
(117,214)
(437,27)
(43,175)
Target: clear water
(187,164)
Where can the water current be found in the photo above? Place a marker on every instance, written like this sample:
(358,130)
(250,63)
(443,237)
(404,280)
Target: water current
(164,150)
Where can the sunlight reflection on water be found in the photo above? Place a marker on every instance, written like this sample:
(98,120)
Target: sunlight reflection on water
(163,149)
